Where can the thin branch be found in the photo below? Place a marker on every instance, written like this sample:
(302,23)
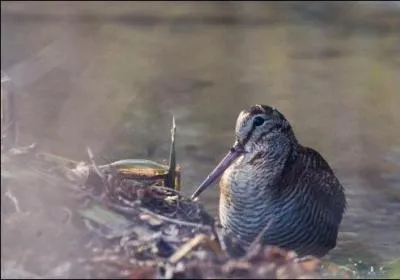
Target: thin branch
(259,236)
(14,200)
(187,248)
(192,244)
(129,210)
(175,221)
(175,192)
(219,238)
(98,171)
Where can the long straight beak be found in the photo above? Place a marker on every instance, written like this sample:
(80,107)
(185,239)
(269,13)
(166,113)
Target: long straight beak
(233,154)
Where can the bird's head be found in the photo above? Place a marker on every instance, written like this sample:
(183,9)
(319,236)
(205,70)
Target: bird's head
(260,130)
(260,127)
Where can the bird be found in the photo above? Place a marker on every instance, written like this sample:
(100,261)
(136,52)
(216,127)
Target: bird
(273,186)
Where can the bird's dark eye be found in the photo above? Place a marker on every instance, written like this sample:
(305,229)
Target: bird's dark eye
(258,121)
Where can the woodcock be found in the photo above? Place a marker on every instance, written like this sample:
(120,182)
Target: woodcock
(271,182)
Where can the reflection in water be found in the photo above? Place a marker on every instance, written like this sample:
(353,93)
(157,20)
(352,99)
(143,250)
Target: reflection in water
(112,77)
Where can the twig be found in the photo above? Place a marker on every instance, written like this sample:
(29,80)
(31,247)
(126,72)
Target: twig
(111,259)
(124,209)
(187,247)
(142,242)
(167,189)
(259,236)
(219,238)
(130,210)
(14,200)
(192,244)
(97,170)
(182,223)
(215,246)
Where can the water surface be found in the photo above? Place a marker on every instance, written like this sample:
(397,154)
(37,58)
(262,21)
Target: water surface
(111,76)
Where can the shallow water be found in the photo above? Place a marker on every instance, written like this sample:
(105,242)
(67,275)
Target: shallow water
(111,76)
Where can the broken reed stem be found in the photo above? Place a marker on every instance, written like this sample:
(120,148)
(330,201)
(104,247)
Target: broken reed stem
(186,248)
(171,176)
(192,244)
(130,210)
(175,192)
(171,220)
(219,239)
(259,236)
(97,170)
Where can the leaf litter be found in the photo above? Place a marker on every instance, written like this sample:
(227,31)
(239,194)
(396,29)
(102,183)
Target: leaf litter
(127,219)
(137,224)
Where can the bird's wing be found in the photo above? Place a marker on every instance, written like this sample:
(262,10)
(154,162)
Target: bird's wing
(319,179)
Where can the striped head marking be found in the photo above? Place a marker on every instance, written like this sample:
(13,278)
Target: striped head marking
(259,123)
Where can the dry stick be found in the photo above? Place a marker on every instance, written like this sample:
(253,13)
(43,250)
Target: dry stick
(257,240)
(219,238)
(168,190)
(215,246)
(183,223)
(14,200)
(192,244)
(129,210)
(140,243)
(187,247)
(102,177)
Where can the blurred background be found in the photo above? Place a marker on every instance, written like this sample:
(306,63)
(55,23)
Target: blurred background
(111,75)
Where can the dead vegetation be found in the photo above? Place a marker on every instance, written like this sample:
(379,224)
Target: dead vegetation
(127,219)
(124,226)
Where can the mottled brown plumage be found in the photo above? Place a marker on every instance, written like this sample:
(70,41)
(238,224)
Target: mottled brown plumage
(269,178)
